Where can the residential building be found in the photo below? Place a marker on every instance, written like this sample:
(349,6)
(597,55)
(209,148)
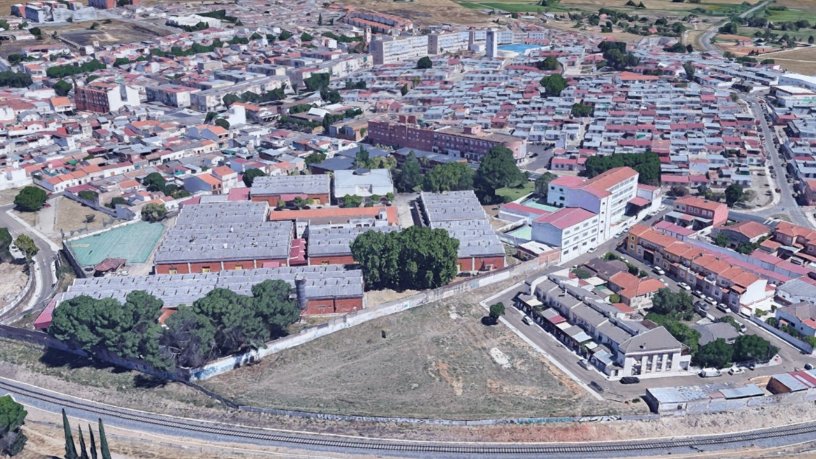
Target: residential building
(698,212)
(800,316)
(573,229)
(391,50)
(105,97)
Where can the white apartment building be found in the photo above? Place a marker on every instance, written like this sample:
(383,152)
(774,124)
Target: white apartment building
(573,229)
(606,195)
(389,50)
(441,43)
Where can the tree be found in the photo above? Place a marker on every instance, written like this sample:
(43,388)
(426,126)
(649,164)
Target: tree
(415,258)
(404,89)
(410,175)
(582,110)
(550,63)
(26,245)
(646,164)
(189,339)
(497,169)
(542,184)
(88,195)
(5,243)
(30,199)
(672,304)
(351,201)
(12,417)
(320,19)
(306,37)
(70,448)
(315,158)
(93,442)
(721,239)
(222,122)
(154,182)
(553,85)
(753,348)
(424,63)
(251,174)
(449,177)
(103,442)
(689,68)
(614,298)
(496,311)
(153,212)
(716,354)
(83,450)
(62,87)
(734,194)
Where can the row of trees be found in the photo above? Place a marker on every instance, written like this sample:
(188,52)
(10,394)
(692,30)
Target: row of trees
(646,164)
(154,181)
(415,258)
(70,446)
(62,71)
(15,80)
(221,323)
(616,56)
(746,348)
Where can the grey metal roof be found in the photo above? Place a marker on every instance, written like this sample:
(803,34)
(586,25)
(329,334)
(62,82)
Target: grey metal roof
(476,237)
(656,339)
(331,241)
(710,332)
(451,205)
(220,240)
(291,184)
(222,212)
(329,281)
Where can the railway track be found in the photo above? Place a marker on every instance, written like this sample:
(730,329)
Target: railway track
(157,423)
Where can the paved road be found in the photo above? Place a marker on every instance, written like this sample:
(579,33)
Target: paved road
(787,203)
(43,261)
(707,38)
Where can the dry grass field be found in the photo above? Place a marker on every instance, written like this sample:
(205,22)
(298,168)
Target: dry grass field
(437,360)
(425,11)
(799,60)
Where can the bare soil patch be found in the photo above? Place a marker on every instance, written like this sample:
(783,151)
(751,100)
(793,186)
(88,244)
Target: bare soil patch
(13,280)
(71,218)
(434,361)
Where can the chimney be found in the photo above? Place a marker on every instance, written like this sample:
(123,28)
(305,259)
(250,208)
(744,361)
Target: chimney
(300,291)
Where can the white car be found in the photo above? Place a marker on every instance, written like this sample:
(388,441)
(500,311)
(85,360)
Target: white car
(684,286)
(736,371)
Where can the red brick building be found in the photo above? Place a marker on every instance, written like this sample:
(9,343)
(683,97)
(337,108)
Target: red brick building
(470,143)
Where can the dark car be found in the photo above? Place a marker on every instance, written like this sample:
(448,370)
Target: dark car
(596,386)
(630,380)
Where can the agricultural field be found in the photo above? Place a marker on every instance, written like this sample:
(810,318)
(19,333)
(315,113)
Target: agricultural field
(437,360)
(799,60)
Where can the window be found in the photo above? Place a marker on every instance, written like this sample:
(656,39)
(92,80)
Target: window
(205,269)
(172,271)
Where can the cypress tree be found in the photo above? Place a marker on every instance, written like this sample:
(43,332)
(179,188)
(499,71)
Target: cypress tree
(70,449)
(93,443)
(83,451)
(103,442)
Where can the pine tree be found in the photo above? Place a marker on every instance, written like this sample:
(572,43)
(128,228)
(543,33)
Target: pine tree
(93,443)
(70,449)
(320,19)
(83,451)
(103,442)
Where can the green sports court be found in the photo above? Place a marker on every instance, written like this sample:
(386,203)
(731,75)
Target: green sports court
(132,242)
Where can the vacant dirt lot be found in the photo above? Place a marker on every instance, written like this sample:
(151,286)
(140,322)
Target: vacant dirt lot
(435,361)
(799,60)
(13,280)
(71,217)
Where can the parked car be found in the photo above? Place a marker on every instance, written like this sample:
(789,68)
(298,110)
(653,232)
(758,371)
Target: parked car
(630,380)
(808,366)
(723,307)
(526,320)
(584,363)
(659,271)
(685,286)
(736,371)
(596,386)
(710,373)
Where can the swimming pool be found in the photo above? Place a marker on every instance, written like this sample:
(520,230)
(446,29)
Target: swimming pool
(518,48)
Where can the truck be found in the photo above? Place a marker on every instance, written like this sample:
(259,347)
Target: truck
(710,373)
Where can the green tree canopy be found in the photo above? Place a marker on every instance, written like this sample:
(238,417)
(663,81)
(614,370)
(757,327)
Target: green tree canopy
(424,63)
(62,87)
(716,354)
(449,177)
(496,311)
(26,245)
(410,175)
(12,417)
(646,164)
(415,258)
(753,348)
(497,169)
(5,243)
(553,85)
(542,184)
(734,193)
(30,199)
(153,212)
(154,181)
(674,304)
(581,110)
(251,174)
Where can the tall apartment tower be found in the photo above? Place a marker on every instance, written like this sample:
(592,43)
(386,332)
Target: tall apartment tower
(491,44)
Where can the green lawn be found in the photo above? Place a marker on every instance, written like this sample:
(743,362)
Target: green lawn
(511,194)
(790,15)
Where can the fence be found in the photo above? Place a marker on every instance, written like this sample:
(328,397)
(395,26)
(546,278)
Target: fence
(793,341)
(356,318)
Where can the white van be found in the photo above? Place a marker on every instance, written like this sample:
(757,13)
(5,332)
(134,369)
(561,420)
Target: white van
(710,373)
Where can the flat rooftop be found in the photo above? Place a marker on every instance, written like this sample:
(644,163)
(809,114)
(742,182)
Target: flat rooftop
(331,241)
(451,206)
(219,240)
(328,281)
(291,184)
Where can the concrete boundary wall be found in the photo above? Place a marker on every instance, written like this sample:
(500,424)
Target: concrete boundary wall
(793,341)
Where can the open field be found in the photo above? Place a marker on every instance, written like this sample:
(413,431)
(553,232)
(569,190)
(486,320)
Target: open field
(511,194)
(106,32)
(71,217)
(13,280)
(437,360)
(799,60)
(426,11)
